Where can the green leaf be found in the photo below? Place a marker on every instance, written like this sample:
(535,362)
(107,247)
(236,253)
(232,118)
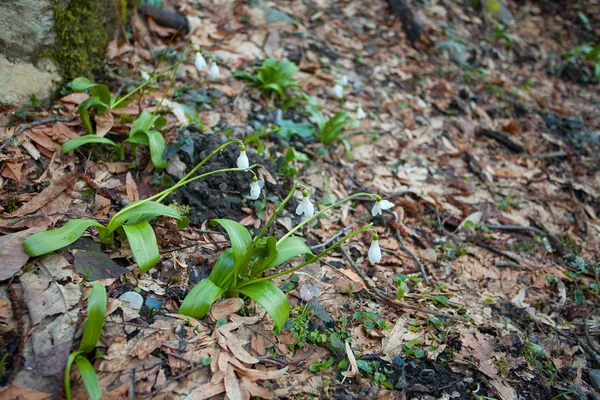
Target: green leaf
(88,375)
(83,140)
(95,318)
(223,268)
(49,241)
(145,212)
(197,302)
(145,121)
(157,144)
(291,247)
(142,241)
(83,112)
(239,237)
(81,84)
(271,298)
(67,377)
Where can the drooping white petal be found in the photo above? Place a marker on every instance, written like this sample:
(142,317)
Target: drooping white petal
(376,209)
(242,161)
(386,205)
(344,80)
(360,114)
(214,70)
(200,62)
(338,91)
(374,252)
(305,207)
(254,190)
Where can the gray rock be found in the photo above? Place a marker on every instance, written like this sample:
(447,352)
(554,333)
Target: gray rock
(456,51)
(272,15)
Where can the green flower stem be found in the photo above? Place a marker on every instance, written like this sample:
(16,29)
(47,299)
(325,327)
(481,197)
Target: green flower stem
(306,221)
(201,163)
(312,260)
(270,221)
(179,184)
(143,85)
(177,64)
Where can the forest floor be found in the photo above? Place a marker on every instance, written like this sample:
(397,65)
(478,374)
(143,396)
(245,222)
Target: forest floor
(485,138)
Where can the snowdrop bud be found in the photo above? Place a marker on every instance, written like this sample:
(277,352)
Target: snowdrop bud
(214,69)
(344,80)
(242,161)
(200,62)
(360,114)
(375,250)
(305,207)
(338,91)
(380,206)
(254,189)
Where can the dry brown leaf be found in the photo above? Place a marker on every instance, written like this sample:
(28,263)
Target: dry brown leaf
(18,392)
(225,308)
(206,391)
(353,369)
(131,188)
(232,386)
(104,123)
(12,254)
(46,195)
(13,171)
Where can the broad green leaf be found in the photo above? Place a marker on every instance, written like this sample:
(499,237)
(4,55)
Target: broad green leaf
(144,212)
(291,247)
(271,298)
(267,252)
(81,84)
(197,302)
(157,148)
(48,241)
(88,375)
(277,88)
(83,140)
(145,121)
(143,245)
(103,93)
(223,268)
(317,116)
(238,235)
(95,318)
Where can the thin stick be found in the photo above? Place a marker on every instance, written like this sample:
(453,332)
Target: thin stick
(412,255)
(396,304)
(334,237)
(40,121)
(354,267)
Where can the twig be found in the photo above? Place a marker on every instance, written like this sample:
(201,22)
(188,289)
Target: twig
(17,310)
(354,267)
(504,253)
(334,237)
(411,254)
(502,139)
(543,156)
(70,215)
(396,304)
(40,121)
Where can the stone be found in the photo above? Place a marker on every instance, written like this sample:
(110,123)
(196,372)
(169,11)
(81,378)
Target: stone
(135,300)
(595,377)
(45,43)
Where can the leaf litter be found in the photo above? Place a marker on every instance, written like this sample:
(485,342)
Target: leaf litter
(490,160)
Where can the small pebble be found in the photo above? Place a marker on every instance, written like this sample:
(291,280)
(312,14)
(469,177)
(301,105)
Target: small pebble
(595,377)
(134,299)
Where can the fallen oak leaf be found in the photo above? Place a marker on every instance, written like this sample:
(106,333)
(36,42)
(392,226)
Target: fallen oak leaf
(46,195)
(11,252)
(104,123)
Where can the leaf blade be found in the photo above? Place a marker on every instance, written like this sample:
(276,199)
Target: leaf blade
(83,140)
(88,375)
(200,298)
(95,319)
(271,298)
(48,241)
(142,241)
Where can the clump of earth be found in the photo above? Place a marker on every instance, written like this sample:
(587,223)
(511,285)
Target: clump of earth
(224,194)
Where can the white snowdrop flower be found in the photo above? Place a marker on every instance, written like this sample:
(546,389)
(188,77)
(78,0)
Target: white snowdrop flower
(360,114)
(375,250)
(380,206)
(254,189)
(344,80)
(200,62)
(145,75)
(338,91)
(242,160)
(214,69)
(305,207)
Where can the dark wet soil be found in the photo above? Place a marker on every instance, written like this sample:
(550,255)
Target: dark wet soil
(224,194)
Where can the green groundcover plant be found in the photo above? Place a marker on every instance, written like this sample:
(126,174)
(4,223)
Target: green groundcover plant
(239,269)
(132,223)
(91,335)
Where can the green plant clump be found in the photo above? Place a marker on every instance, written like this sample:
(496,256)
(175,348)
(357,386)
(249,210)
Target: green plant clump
(273,77)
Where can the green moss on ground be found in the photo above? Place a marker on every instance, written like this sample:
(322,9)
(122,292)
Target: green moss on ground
(81,38)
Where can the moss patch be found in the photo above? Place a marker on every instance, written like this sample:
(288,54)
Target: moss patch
(81,38)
